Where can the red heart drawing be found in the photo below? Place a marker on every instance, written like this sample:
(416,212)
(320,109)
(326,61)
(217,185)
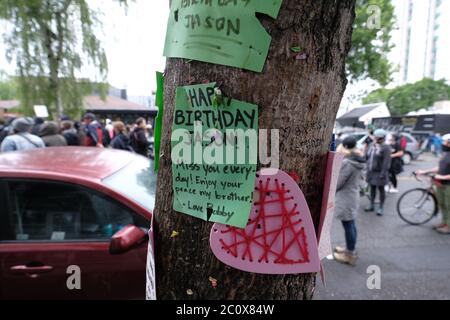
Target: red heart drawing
(280,237)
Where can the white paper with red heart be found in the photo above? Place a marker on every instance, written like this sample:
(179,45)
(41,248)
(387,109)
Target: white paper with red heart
(280,237)
(334,164)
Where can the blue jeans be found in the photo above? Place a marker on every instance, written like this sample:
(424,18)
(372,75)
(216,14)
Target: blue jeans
(350,234)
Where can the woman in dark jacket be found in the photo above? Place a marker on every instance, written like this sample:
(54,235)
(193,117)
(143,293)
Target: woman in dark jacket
(378,165)
(70,133)
(121,141)
(138,138)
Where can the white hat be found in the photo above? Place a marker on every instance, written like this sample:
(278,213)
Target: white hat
(380,133)
(446,137)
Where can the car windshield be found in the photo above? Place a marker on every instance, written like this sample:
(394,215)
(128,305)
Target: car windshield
(136,181)
(358,136)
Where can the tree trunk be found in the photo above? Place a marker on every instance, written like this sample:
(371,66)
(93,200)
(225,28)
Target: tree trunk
(298,97)
(50,38)
(54,85)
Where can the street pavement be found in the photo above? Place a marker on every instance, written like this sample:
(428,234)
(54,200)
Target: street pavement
(414,260)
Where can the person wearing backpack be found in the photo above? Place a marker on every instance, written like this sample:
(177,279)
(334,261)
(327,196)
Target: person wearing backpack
(138,138)
(93,131)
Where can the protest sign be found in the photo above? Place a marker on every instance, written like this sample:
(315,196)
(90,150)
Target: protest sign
(41,111)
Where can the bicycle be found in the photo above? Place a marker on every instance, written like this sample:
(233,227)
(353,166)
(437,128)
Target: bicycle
(418,206)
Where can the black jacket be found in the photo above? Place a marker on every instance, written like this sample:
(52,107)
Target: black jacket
(71,137)
(121,142)
(396,163)
(139,142)
(378,164)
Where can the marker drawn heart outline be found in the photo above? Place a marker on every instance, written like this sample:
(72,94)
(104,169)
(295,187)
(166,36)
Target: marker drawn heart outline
(279,238)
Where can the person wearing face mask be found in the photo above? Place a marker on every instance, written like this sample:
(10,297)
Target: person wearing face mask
(378,165)
(443,190)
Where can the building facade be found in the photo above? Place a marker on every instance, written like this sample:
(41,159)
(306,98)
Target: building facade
(361,117)
(422,44)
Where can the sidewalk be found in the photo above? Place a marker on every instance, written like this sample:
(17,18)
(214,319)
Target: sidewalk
(414,261)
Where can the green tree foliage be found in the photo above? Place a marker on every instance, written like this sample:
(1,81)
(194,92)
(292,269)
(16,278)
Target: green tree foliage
(372,28)
(379,95)
(8,87)
(51,41)
(416,96)
(412,96)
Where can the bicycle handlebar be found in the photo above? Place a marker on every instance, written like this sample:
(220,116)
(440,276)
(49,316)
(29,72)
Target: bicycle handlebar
(431,175)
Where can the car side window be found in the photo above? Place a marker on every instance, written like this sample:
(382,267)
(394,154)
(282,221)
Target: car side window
(49,211)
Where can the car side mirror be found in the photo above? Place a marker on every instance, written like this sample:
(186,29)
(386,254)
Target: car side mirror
(125,239)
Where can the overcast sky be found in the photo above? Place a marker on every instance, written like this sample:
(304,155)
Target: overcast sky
(134,45)
(133,42)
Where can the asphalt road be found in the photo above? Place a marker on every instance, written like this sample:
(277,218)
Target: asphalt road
(414,261)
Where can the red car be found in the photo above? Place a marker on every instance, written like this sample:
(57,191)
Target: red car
(74,223)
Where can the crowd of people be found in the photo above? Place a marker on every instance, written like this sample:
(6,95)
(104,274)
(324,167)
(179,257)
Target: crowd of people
(19,134)
(379,163)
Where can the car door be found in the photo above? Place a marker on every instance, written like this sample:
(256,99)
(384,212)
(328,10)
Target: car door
(411,145)
(56,244)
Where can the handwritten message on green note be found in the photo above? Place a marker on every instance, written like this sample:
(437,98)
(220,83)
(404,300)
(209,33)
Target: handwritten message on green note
(223,32)
(215,150)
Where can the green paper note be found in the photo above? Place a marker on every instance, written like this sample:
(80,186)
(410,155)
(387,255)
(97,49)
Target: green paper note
(210,184)
(159,102)
(223,32)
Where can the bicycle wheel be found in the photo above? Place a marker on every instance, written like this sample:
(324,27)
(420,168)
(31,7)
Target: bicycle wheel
(417,206)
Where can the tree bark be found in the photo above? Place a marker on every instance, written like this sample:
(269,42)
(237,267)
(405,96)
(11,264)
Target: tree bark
(298,97)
